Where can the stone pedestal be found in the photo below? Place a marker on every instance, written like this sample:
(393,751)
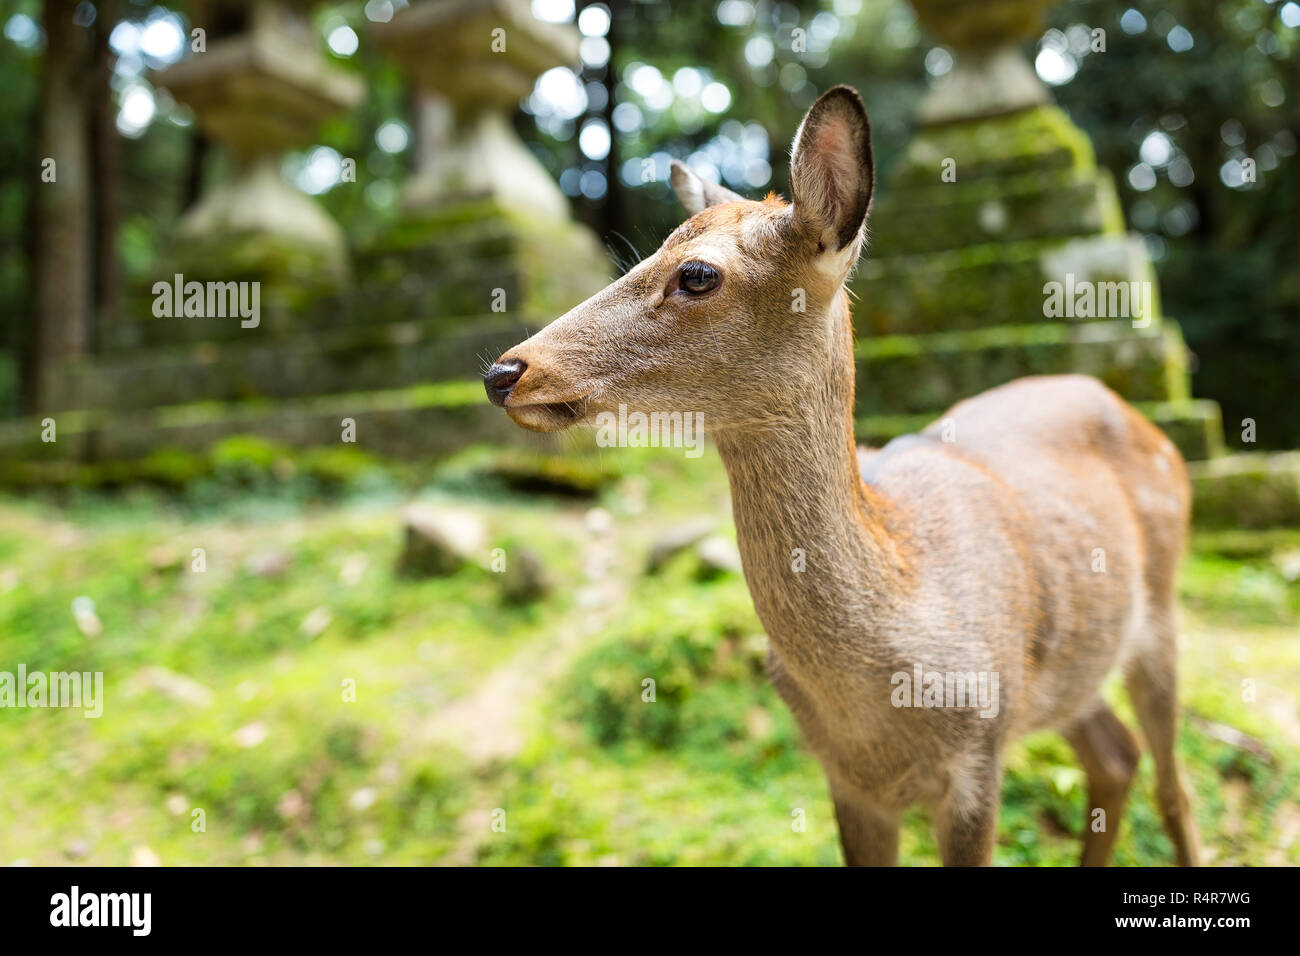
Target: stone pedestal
(489,53)
(997,196)
(477,193)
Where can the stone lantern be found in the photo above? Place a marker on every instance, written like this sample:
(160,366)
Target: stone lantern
(470,63)
(261,87)
(990,75)
(478,204)
(997,202)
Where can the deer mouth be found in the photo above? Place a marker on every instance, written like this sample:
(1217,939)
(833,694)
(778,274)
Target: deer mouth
(548,416)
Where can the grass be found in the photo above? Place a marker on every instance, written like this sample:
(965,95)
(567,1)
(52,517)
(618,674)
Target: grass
(300,701)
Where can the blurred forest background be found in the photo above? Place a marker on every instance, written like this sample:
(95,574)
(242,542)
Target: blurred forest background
(674,78)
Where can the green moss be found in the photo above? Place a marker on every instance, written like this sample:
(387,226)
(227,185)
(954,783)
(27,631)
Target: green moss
(1039,139)
(1245,544)
(558,263)
(694,649)
(1195,427)
(166,445)
(903,374)
(717,776)
(992,283)
(533,472)
(1251,490)
(1026,207)
(292,267)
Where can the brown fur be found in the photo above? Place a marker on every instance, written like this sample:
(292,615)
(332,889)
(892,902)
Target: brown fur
(973,555)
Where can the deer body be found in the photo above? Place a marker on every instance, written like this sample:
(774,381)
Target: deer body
(1037,549)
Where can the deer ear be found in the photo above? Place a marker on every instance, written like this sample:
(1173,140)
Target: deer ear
(695,193)
(831,170)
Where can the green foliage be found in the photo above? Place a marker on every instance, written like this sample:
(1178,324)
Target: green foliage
(691,641)
(713,771)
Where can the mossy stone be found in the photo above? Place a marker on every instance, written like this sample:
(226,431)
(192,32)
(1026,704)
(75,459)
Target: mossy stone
(1033,140)
(991,284)
(913,373)
(1194,426)
(1250,490)
(1029,206)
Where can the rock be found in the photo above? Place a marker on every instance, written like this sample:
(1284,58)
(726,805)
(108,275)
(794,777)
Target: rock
(170,684)
(290,805)
(570,476)
(1247,490)
(524,579)
(83,612)
(143,856)
(440,541)
(363,799)
(635,491)
(759,723)
(676,540)
(718,555)
(165,557)
(268,564)
(315,622)
(250,735)
(598,521)
(1234,738)
(353,570)
(1288,563)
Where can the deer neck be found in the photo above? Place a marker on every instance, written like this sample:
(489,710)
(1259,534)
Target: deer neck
(818,544)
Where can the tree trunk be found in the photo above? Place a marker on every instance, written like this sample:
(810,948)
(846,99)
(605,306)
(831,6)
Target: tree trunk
(105,166)
(64,289)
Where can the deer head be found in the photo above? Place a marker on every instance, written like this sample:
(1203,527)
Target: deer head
(738,313)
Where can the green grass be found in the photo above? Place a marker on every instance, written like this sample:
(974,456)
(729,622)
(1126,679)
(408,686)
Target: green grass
(285,769)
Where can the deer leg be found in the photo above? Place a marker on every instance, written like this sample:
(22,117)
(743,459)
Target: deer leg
(1151,679)
(868,834)
(967,820)
(1109,756)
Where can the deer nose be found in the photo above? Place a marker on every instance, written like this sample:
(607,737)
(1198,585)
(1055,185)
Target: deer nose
(501,379)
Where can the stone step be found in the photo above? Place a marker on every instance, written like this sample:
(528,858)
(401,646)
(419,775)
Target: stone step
(351,359)
(424,421)
(1034,140)
(1247,490)
(956,215)
(446,265)
(1194,425)
(900,374)
(447,294)
(1003,282)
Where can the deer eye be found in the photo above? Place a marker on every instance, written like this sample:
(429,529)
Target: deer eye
(698,277)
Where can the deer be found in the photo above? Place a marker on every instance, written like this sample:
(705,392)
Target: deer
(968,548)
